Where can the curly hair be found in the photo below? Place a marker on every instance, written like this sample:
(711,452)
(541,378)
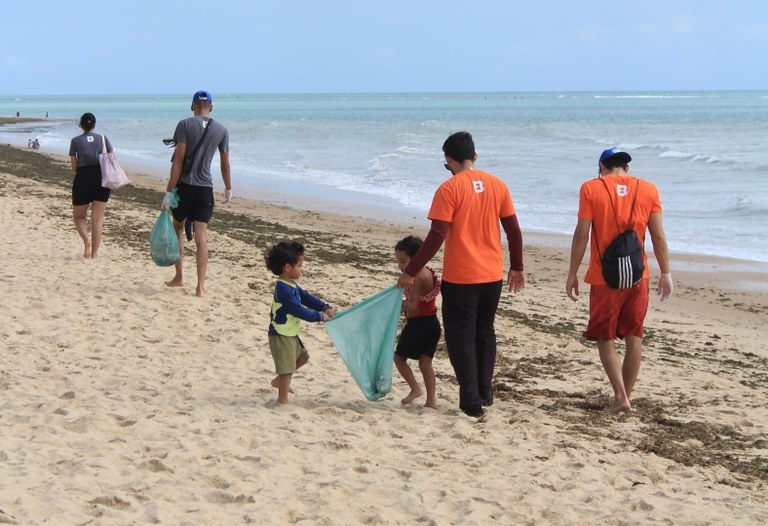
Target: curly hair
(283,253)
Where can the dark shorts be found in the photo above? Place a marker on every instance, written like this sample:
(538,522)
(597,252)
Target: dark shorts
(616,313)
(195,203)
(87,188)
(420,336)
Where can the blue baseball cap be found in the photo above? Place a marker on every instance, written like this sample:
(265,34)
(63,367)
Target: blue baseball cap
(623,156)
(202,95)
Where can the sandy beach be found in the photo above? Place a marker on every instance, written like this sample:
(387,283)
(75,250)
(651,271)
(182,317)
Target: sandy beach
(123,401)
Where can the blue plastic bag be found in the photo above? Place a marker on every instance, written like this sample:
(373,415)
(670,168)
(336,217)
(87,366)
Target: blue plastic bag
(365,337)
(163,243)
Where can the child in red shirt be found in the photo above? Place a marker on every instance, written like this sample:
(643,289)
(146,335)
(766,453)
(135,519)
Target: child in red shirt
(418,340)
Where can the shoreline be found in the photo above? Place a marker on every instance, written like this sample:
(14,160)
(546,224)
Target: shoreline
(318,197)
(152,405)
(742,274)
(18,120)
(284,146)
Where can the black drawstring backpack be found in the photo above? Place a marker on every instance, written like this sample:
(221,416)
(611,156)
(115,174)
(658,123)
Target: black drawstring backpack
(623,259)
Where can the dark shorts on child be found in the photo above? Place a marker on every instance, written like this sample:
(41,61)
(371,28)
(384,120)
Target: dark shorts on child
(419,336)
(87,188)
(286,351)
(195,203)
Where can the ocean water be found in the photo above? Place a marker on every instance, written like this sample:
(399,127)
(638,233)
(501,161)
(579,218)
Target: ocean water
(706,151)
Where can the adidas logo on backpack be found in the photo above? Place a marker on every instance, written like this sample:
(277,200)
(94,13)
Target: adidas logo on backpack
(623,259)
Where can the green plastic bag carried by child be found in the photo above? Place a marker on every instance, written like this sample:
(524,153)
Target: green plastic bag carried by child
(163,243)
(365,337)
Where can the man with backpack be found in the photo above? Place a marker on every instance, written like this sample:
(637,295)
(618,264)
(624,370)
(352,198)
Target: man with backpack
(196,140)
(616,209)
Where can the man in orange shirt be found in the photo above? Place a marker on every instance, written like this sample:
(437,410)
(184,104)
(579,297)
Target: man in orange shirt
(466,212)
(617,198)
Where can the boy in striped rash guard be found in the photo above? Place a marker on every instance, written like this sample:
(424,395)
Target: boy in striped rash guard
(290,305)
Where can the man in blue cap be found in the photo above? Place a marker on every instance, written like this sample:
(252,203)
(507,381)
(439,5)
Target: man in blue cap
(196,140)
(613,203)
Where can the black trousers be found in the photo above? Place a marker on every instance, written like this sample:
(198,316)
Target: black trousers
(468,316)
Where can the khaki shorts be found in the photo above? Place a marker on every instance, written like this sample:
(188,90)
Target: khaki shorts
(286,352)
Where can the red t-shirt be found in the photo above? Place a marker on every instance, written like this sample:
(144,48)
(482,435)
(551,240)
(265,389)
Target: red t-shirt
(473,201)
(594,206)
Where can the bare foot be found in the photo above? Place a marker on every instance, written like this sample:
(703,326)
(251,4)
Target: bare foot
(276,385)
(413,395)
(87,250)
(174,283)
(432,404)
(619,406)
(200,292)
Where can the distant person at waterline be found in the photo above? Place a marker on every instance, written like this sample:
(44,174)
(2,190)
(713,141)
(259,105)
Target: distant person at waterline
(87,191)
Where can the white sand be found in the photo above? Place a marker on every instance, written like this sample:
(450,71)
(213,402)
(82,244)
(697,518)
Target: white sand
(126,402)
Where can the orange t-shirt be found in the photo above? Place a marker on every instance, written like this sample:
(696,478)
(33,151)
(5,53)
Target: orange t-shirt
(473,201)
(594,206)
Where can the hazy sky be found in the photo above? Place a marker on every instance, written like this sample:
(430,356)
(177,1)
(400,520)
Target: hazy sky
(294,46)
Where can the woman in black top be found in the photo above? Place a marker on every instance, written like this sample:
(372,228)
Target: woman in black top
(87,191)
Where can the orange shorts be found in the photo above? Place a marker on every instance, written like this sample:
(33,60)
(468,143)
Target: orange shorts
(616,313)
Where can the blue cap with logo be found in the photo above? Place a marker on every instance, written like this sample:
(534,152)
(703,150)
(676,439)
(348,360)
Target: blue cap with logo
(623,156)
(202,95)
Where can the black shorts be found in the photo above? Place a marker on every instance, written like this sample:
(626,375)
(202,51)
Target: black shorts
(87,188)
(195,203)
(420,336)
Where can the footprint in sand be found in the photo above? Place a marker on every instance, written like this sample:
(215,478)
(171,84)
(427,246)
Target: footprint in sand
(111,501)
(219,483)
(222,497)
(155,466)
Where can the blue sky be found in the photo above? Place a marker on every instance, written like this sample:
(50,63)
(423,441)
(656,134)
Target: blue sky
(303,46)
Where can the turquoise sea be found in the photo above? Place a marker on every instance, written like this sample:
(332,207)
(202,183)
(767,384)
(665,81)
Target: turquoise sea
(380,153)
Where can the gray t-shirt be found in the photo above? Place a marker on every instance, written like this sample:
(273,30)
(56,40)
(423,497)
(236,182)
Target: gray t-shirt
(87,147)
(189,131)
